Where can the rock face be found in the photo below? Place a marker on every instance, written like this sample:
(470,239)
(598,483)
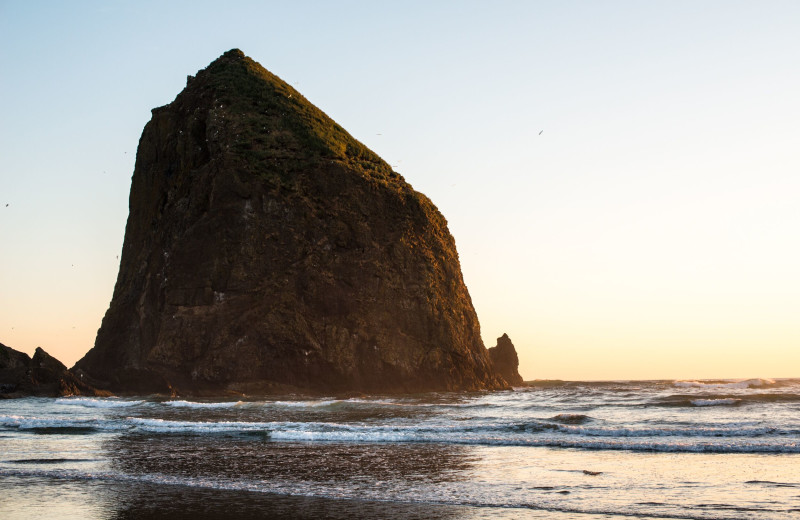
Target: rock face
(505,361)
(42,375)
(266,249)
(14,370)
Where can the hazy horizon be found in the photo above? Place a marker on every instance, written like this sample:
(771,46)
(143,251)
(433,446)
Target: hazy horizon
(621,179)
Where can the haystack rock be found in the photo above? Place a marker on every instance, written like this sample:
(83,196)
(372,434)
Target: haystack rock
(267,250)
(505,360)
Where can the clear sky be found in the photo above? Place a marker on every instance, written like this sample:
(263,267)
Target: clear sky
(622,178)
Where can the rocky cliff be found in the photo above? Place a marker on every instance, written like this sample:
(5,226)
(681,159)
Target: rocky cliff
(266,249)
(42,375)
(505,361)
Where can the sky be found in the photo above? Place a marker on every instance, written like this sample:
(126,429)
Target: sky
(622,178)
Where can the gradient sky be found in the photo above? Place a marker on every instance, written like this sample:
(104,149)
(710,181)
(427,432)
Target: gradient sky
(622,178)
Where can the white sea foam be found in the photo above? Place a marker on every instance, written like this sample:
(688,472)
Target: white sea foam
(487,434)
(32,423)
(746,383)
(699,431)
(166,426)
(384,402)
(665,443)
(535,433)
(304,404)
(191,404)
(91,402)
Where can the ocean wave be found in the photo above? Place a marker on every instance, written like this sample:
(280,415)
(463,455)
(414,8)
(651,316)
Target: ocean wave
(358,401)
(490,434)
(167,426)
(313,404)
(322,403)
(334,404)
(725,399)
(538,432)
(699,431)
(305,404)
(55,425)
(715,402)
(770,483)
(571,418)
(639,444)
(93,402)
(743,384)
(192,404)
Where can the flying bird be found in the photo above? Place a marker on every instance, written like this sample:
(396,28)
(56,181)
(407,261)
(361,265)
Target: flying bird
(540,132)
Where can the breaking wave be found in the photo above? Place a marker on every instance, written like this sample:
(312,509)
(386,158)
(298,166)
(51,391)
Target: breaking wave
(90,402)
(715,402)
(191,404)
(722,438)
(57,425)
(305,404)
(746,383)
(571,418)
(693,400)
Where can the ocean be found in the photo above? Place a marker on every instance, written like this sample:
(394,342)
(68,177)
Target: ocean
(556,450)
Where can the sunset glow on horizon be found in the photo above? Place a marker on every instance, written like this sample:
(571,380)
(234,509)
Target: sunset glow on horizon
(621,179)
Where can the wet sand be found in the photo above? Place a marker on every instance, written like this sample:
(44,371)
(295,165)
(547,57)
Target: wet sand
(26,498)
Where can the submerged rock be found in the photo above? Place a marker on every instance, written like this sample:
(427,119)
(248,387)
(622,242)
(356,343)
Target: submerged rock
(266,249)
(505,361)
(42,375)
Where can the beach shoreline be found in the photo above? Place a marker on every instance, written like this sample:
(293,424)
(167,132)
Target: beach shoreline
(68,499)
(720,450)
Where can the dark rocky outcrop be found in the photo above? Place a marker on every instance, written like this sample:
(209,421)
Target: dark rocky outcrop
(42,375)
(505,361)
(14,367)
(268,250)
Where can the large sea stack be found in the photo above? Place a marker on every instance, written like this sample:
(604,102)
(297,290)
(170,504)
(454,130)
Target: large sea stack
(268,250)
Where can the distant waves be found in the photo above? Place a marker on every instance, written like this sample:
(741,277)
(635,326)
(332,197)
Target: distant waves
(746,383)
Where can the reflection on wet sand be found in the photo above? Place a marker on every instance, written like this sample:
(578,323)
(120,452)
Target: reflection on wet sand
(238,457)
(182,503)
(27,498)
